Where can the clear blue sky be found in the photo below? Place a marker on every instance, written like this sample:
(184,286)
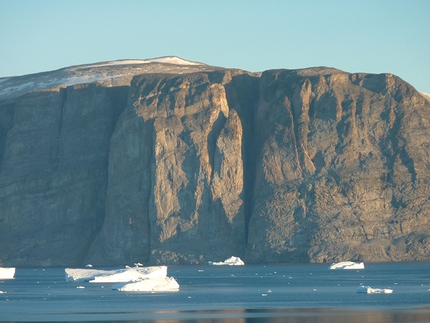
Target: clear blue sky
(373,36)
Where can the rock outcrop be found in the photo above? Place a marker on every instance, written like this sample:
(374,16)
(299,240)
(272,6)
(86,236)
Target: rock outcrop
(201,163)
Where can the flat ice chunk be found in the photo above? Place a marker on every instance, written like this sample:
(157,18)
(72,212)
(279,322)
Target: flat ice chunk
(232,261)
(132,274)
(370,290)
(347,265)
(160,284)
(81,275)
(7,272)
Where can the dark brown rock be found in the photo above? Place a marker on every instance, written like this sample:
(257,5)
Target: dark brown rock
(342,169)
(312,165)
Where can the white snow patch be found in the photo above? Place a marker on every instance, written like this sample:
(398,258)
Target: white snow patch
(7,273)
(232,261)
(160,284)
(370,290)
(12,89)
(165,60)
(74,80)
(347,265)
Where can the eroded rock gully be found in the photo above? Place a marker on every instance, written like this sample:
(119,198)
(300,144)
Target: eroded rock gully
(312,165)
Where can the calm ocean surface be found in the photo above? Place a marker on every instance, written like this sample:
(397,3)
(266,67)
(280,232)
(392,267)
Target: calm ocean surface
(300,293)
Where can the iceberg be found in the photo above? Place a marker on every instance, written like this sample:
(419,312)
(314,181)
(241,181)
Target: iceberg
(159,284)
(232,261)
(347,265)
(7,273)
(132,274)
(114,276)
(370,290)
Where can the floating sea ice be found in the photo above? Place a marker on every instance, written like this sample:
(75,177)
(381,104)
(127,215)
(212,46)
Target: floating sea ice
(81,275)
(131,275)
(347,265)
(160,284)
(7,273)
(232,261)
(115,276)
(370,290)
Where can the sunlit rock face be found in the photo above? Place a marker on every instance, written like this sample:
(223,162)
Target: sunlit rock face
(183,163)
(176,171)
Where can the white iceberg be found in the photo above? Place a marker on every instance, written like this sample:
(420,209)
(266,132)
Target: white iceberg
(347,265)
(114,276)
(370,290)
(132,275)
(159,284)
(232,261)
(7,273)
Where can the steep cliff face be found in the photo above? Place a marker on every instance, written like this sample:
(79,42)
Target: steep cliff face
(342,168)
(293,165)
(176,172)
(53,173)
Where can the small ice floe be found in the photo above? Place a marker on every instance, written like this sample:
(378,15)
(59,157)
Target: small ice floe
(370,290)
(7,273)
(232,261)
(138,264)
(80,287)
(160,284)
(88,266)
(347,265)
(2,292)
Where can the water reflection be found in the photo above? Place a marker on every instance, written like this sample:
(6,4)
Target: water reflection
(303,315)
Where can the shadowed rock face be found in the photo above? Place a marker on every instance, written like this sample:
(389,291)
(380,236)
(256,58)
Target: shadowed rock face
(342,168)
(290,166)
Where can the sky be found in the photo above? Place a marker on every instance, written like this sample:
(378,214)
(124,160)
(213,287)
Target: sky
(369,36)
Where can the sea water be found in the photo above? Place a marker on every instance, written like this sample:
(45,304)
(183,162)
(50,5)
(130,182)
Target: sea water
(251,293)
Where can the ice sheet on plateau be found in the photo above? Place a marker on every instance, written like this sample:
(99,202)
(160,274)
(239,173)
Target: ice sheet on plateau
(370,290)
(109,74)
(232,261)
(164,60)
(347,265)
(160,284)
(7,272)
(113,276)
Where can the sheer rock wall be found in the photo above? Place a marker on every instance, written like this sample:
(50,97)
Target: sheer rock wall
(312,165)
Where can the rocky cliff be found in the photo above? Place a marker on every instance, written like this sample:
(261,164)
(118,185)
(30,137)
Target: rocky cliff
(184,163)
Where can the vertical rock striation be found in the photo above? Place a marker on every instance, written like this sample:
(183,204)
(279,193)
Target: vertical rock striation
(303,165)
(53,173)
(342,168)
(177,172)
